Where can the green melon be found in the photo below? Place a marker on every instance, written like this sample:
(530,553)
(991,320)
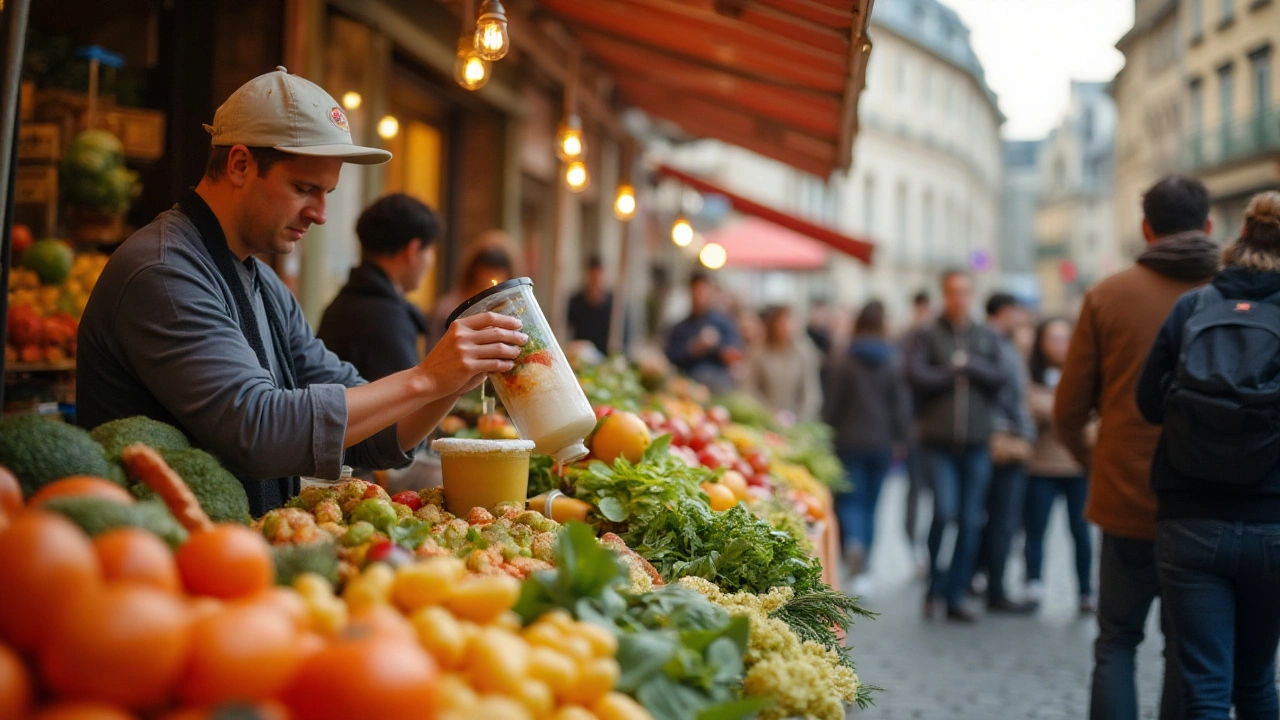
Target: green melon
(50,259)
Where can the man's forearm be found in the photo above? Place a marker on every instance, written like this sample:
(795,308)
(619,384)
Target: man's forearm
(414,428)
(379,405)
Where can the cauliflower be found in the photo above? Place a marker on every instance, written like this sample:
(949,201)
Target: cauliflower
(290,526)
(311,496)
(432,514)
(327,511)
(543,546)
(353,492)
(434,496)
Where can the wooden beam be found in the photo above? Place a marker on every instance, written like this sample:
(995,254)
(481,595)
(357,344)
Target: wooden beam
(819,12)
(854,247)
(859,54)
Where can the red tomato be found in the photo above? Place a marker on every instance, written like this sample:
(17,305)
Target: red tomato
(759,460)
(603,410)
(680,432)
(718,415)
(711,458)
(702,437)
(743,467)
(409,498)
(654,419)
(21,240)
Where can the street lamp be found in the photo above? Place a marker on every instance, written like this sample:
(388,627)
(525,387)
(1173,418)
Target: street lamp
(624,205)
(681,232)
(491,39)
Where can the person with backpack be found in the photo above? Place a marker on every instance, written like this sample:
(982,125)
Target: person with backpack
(1213,380)
(1119,320)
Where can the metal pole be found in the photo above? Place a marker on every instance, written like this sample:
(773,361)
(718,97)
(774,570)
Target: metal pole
(15,46)
(622,282)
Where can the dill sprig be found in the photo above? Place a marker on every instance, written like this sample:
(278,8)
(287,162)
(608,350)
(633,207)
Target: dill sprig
(823,615)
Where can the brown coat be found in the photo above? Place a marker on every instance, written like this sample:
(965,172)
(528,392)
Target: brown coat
(1118,324)
(1050,458)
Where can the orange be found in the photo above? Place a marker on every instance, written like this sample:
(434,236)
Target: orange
(620,435)
(721,497)
(10,493)
(363,673)
(15,686)
(80,485)
(269,710)
(125,644)
(81,711)
(287,601)
(137,555)
(45,563)
(733,480)
(229,561)
(244,652)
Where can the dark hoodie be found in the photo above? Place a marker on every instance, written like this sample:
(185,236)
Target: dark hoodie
(370,325)
(1179,496)
(866,398)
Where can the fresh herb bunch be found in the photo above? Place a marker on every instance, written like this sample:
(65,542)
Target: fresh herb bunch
(613,383)
(658,509)
(681,656)
(810,445)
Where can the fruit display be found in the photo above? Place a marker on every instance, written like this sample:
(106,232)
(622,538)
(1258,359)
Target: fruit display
(47,295)
(673,577)
(94,173)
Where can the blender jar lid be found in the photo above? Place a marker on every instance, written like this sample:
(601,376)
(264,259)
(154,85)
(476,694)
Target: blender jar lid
(487,292)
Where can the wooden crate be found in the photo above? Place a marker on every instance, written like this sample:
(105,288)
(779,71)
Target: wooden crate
(36,198)
(140,130)
(39,143)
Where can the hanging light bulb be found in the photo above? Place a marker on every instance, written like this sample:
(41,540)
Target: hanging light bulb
(713,256)
(570,144)
(681,232)
(491,40)
(469,69)
(388,126)
(575,176)
(624,205)
(352,100)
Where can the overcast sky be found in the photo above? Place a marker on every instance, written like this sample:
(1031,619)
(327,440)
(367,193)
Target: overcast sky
(1032,49)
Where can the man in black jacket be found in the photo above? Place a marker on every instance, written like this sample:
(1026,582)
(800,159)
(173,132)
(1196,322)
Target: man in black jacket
(370,324)
(955,373)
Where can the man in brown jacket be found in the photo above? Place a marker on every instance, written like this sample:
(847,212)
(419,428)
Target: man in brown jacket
(1118,323)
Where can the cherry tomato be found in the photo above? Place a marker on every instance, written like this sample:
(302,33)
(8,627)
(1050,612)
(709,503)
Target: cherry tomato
(680,432)
(409,498)
(718,415)
(603,410)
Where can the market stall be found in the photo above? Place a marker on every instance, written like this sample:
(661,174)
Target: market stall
(682,567)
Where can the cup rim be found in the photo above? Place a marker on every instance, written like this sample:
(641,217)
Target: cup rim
(487,292)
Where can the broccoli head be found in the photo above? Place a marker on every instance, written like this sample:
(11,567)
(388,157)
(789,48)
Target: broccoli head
(115,435)
(294,560)
(219,492)
(39,450)
(96,515)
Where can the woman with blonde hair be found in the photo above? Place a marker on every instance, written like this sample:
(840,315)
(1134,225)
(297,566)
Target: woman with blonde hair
(1213,381)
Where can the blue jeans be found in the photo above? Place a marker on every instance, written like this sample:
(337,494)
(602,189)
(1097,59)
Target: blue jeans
(960,479)
(856,509)
(1042,492)
(1005,499)
(1221,581)
(917,480)
(1127,585)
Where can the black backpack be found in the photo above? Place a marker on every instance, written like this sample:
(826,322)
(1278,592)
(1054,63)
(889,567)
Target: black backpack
(1222,411)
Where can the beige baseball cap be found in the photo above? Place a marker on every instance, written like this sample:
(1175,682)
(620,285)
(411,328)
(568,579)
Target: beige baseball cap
(291,114)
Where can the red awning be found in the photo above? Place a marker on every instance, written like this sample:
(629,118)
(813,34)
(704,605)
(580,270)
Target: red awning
(778,77)
(860,249)
(756,243)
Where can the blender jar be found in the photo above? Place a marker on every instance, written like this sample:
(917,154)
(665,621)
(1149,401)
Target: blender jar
(541,393)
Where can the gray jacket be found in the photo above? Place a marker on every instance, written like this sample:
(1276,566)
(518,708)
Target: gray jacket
(955,406)
(161,337)
(1013,411)
(866,400)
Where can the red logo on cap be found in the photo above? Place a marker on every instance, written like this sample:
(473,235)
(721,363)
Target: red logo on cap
(339,118)
(1244,307)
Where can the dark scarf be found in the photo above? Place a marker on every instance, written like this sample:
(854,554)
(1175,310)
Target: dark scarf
(1185,256)
(215,241)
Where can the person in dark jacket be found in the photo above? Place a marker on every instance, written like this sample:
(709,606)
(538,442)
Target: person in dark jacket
(955,373)
(370,324)
(866,405)
(1218,538)
(705,344)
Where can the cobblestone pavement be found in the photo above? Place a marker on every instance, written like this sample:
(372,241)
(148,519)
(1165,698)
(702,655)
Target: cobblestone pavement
(1002,668)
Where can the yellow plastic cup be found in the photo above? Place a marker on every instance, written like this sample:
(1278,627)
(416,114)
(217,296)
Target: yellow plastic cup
(483,473)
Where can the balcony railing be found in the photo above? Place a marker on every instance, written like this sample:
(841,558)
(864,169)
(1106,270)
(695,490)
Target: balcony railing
(1243,139)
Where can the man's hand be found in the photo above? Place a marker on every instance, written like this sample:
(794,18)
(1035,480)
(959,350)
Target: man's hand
(472,348)
(706,341)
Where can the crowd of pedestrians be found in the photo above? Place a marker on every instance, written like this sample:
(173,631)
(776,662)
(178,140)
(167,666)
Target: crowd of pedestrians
(1155,415)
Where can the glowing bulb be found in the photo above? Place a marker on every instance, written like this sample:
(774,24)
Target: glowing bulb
(469,69)
(388,126)
(681,232)
(713,256)
(491,40)
(576,176)
(352,100)
(570,144)
(624,206)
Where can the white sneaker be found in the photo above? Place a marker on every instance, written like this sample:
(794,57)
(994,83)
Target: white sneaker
(1035,591)
(863,585)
